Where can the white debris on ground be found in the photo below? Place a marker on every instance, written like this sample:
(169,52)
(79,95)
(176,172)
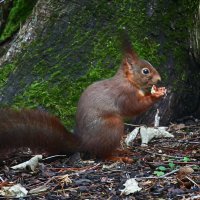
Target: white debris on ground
(148,133)
(30,164)
(131,186)
(14,191)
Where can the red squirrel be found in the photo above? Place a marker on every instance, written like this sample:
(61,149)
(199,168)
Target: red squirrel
(99,118)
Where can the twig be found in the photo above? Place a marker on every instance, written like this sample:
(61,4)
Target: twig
(159,177)
(157,119)
(82,169)
(54,156)
(175,162)
(134,125)
(150,177)
(188,126)
(188,142)
(192,181)
(159,154)
(163,176)
(169,173)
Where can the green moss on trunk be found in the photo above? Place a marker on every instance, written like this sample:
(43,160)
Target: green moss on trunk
(20,11)
(79,48)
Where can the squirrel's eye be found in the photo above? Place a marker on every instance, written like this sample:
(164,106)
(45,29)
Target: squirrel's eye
(145,71)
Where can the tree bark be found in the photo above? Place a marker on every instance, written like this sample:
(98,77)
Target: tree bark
(174,26)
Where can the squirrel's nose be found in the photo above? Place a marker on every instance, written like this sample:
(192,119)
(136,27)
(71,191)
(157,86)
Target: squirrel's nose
(156,78)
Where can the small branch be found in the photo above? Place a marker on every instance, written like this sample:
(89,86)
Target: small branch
(188,142)
(157,119)
(192,181)
(159,177)
(175,162)
(54,156)
(160,154)
(150,177)
(81,169)
(133,125)
(169,173)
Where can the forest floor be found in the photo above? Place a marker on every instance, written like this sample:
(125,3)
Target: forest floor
(168,168)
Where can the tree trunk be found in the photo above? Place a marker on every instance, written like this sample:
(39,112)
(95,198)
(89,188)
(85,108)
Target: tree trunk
(66,45)
(183,97)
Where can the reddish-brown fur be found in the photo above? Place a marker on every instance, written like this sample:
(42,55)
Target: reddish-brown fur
(35,129)
(99,119)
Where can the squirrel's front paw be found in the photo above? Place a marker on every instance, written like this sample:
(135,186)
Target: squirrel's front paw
(158,92)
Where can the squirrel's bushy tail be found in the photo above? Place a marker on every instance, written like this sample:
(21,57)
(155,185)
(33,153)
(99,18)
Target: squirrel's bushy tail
(35,129)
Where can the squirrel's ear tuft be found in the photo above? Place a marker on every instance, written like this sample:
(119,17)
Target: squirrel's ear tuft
(127,49)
